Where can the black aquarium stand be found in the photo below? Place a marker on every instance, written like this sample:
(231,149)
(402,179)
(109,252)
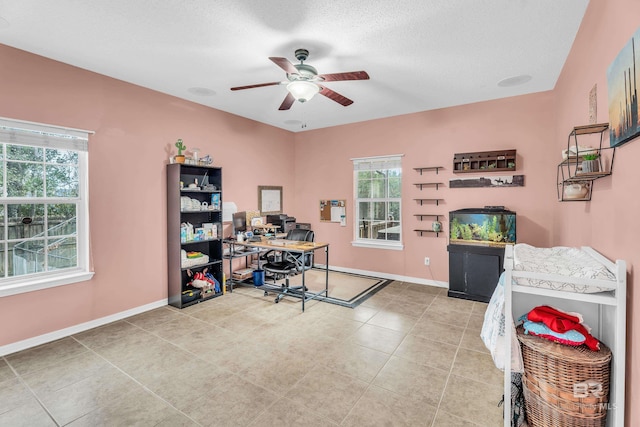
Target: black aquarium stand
(474,271)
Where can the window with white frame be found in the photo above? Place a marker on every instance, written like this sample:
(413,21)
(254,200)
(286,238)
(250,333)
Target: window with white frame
(44,224)
(378,204)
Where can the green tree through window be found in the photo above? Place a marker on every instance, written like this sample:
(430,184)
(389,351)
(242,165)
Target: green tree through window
(41,191)
(43,206)
(378,183)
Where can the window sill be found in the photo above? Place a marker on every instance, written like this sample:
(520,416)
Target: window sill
(35,284)
(395,246)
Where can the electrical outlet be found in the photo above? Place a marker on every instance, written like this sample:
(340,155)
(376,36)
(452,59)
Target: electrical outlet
(427,261)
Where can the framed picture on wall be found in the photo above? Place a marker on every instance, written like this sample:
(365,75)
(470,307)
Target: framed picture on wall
(269,199)
(623,76)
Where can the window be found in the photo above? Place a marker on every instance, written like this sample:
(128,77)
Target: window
(44,232)
(378,184)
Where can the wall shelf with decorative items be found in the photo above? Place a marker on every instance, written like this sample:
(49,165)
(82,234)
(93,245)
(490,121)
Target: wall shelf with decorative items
(436,225)
(581,165)
(428,231)
(485,161)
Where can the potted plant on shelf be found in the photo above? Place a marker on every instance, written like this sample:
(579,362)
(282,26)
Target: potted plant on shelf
(590,163)
(179,158)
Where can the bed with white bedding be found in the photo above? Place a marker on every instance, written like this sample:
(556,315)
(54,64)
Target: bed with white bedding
(573,279)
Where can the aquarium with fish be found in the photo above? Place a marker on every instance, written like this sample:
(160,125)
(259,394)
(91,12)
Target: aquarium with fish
(482,226)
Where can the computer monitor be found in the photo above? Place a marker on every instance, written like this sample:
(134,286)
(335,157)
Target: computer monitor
(239,221)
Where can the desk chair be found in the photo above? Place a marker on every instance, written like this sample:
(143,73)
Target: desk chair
(288,263)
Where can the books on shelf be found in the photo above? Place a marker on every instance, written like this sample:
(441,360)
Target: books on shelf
(215,201)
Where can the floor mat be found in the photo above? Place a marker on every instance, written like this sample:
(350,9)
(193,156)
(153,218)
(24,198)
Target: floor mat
(346,289)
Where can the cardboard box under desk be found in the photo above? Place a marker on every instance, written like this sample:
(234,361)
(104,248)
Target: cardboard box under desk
(242,274)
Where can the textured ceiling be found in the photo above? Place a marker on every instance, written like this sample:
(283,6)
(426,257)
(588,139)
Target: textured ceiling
(420,54)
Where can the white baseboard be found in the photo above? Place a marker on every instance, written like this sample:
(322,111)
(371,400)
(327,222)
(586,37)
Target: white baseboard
(388,276)
(56,335)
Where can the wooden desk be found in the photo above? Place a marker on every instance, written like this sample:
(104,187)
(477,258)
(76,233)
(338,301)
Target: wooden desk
(284,245)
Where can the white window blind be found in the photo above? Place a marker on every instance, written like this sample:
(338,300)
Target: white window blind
(40,135)
(377,163)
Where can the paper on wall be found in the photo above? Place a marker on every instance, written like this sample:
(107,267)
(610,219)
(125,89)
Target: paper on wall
(228,209)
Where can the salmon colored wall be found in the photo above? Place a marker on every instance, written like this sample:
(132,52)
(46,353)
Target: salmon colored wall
(135,131)
(431,139)
(127,194)
(609,221)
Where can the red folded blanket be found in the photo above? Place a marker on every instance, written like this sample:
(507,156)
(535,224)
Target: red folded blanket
(560,321)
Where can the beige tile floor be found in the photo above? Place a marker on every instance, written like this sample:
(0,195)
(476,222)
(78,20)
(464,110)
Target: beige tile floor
(408,356)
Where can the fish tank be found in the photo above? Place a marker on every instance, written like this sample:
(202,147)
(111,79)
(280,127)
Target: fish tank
(488,226)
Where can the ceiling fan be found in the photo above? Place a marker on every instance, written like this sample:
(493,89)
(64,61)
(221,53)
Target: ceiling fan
(303,81)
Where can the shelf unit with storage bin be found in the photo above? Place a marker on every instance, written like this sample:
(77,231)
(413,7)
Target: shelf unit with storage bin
(574,184)
(421,201)
(485,161)
(182,209)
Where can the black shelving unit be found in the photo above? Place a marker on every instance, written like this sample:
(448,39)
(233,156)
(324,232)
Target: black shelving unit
(179,177)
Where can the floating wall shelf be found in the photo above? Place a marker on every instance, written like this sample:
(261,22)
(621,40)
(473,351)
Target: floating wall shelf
(428,168)
(428,184)
(421,185)
(428,231)
(437,201)
(420,216)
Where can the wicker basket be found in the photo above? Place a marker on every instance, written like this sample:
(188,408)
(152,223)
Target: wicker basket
(564,385)
(542,414)
(566,402)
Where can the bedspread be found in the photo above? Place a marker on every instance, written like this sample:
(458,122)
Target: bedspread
(560,260)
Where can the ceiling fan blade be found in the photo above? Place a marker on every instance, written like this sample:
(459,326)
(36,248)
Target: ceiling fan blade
(256,85)
(351,75)
(284,64)
(335,96)
(288,102)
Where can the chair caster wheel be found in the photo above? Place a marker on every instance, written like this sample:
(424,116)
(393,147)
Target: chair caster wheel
(277,300)
(266,293)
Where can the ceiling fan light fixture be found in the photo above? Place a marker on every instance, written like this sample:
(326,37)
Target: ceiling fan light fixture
(303,90)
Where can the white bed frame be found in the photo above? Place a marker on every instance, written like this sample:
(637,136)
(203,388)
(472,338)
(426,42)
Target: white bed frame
(604,311)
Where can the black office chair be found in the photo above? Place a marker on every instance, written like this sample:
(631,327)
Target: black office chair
(282,264)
